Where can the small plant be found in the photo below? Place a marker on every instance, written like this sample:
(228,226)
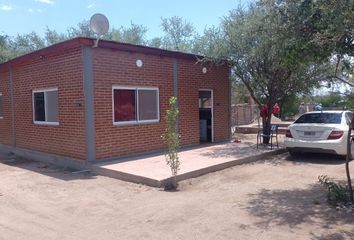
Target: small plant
(336,193)
(171,138)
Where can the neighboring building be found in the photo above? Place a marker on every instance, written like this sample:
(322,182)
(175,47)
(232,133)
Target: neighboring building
(80,102)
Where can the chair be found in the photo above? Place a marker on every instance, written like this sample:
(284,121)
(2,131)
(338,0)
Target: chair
(273,134)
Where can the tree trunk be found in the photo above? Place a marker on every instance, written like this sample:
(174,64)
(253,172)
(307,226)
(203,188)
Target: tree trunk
(172,184)
(281,105)
(348,158)
(266,127)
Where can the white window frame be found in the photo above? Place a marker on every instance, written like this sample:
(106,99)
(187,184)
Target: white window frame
(2,117)
(44,90)
(137,121)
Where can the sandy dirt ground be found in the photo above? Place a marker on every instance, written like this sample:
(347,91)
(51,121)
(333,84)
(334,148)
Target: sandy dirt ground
(275,198)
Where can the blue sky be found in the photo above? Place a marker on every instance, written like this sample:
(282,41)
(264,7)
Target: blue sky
(24,16)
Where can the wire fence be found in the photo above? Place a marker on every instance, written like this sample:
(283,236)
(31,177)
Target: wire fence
(243,114)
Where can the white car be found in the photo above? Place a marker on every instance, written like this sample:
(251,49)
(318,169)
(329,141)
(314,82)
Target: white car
(320,132)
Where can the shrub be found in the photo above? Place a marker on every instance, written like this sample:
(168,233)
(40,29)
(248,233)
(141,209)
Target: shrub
(336,193)
(171,138)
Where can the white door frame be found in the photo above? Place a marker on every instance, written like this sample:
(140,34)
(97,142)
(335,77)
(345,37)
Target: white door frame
(212,109)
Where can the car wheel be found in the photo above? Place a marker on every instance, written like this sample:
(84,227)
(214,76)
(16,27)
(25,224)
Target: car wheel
(293,153)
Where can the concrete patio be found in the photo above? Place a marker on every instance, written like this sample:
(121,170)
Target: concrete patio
(152,170)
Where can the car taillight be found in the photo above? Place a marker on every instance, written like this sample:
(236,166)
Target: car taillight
(335,135)
(288,134)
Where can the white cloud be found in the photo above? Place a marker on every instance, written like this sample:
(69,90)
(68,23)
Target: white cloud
(4,7)
(31,10)
(91,5)
(51,2)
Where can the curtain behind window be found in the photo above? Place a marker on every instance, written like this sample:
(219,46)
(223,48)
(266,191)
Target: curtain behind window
(124,105)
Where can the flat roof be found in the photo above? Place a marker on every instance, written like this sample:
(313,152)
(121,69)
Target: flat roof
(83,41)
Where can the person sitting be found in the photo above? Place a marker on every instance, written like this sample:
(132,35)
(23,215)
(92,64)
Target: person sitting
(318,107)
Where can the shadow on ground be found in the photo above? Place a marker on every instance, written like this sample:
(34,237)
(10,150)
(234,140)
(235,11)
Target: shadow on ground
(233,151)
(303,159)
(341,235)
(65,174)
(298,206)
(316,158)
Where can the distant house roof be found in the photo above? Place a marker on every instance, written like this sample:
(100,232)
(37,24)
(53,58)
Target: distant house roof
(81,41)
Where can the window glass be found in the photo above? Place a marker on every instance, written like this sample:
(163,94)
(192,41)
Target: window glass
(1,106)
(148,104)
(52,106)
(320,118)
(39,107)
(205,99)
(45,106)
(124,105)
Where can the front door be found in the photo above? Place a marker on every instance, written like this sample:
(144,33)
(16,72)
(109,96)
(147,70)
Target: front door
(205,116)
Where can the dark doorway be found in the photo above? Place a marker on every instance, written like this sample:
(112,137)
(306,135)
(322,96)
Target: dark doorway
(205,116)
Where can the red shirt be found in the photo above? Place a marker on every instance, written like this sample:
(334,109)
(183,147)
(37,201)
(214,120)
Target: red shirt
(276,109)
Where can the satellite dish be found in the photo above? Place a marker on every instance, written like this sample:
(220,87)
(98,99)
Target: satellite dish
(99,24)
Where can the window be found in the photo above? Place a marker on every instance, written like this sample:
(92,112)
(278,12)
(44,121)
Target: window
(1,107)
(335,118)
(45,106)
(135,105)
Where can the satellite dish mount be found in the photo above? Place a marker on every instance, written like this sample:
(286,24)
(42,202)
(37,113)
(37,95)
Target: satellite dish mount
(99,24)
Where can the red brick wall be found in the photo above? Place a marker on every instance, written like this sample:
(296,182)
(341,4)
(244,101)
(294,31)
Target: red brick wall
(191,80)
(64,71)
(218,79)
(118,68)
(5,123)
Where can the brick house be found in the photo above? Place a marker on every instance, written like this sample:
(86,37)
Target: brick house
(73,101)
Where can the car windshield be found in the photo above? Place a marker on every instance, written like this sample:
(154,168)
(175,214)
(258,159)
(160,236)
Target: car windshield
(320,118)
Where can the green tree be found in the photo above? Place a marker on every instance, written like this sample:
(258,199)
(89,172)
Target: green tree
(82,30)
(265,55)
(155,42)
(349,99)
(332,100)
(178,34)
(134,34)
(208,43)
(51,37)
(5,49)
(25,43)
